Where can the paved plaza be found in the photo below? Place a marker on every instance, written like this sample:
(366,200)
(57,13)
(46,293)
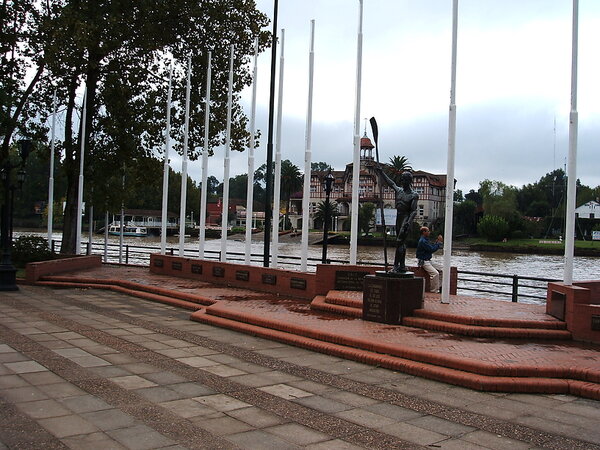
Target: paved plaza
(86,368)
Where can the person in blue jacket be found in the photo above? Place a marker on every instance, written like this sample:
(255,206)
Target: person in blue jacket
(425,250)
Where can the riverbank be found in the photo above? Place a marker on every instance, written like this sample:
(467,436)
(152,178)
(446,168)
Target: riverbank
(532,246)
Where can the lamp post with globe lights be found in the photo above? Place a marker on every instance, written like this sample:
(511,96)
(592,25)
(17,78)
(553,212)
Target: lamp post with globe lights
(328,184)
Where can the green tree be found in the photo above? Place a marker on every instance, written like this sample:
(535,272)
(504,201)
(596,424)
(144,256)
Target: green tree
(120,51)
(493,228)
(465,217)
(320,166)
(366,217)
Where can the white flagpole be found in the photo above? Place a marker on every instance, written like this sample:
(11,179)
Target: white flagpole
(277,184)
(202,218)
(450,162)
(184,162)
(165,190)
(51,179)
(250,194)
(308,149)
(80,187)
(356,142)
(572,169)
(226,164)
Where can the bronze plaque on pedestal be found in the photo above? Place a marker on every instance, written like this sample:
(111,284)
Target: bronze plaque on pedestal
(388,299)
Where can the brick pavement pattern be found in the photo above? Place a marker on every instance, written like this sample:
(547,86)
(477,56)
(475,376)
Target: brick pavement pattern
(96,370)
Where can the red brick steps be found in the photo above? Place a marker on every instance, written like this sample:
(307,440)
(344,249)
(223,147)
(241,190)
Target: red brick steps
(486,332)
(512,381)
(348,303)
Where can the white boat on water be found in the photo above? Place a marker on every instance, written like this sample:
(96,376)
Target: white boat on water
(128,230)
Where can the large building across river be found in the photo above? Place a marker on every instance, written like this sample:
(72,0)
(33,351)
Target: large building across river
(430,187)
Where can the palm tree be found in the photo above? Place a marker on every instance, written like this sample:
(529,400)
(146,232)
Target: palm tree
(322,212)
(397,165)
(291,182)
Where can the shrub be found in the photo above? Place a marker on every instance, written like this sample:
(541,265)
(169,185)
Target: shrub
(28,249)
(518,234)
(493,228)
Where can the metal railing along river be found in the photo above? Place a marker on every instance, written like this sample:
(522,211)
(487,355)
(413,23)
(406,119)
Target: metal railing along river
(495,285)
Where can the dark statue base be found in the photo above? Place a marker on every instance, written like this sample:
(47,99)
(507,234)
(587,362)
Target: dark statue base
(389,297)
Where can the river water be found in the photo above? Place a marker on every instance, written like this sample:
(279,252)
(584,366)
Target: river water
(137,249)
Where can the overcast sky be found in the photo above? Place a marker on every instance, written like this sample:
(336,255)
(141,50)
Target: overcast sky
(513,83)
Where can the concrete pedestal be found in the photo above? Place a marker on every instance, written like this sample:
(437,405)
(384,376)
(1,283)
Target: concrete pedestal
(388,298)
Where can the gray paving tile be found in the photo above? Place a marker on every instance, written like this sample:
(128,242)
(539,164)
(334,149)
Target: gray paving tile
(221,402)
(25,367)
(132,382)
(365,418)
(12,381)
(96,440)
(256,417)
(160,394)
(85,403)
(413,433)
(67,426)
(109,419)
(223,426)
(23,394)
(43,409)
(495,441)
(398,413)
(298,434)
(139,437)
(323,404)
(38,378)
(260,440)
(439,425)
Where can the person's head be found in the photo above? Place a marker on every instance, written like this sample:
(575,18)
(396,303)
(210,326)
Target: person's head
(406,179)
(425,231)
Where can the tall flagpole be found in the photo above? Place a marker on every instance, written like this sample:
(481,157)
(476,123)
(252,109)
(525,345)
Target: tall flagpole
(165,188)
(226,164)
(308,149)
(51,179)
(202,219)
(80,186)
(356,142)
(250,193)
(572,168)
(184,162)
(269,183)
(277,187)
(450,162)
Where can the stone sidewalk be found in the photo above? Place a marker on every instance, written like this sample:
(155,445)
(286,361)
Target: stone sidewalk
(98,369)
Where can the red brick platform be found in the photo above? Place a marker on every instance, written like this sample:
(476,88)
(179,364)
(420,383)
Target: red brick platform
(477,343)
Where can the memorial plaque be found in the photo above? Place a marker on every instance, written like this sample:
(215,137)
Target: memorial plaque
(196,268)
(269,279)
(387,299)
(374,306)
(176,265)
(242,275)
(158,263)
(218,271)
(298,283)
(349,280)
(596,323)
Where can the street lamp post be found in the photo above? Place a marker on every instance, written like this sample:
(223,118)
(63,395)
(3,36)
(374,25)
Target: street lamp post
(327,185)
(8,273)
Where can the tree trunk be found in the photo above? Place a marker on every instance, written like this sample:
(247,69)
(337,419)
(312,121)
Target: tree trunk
(69,241)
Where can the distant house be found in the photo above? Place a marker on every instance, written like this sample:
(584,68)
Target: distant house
(589,210)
